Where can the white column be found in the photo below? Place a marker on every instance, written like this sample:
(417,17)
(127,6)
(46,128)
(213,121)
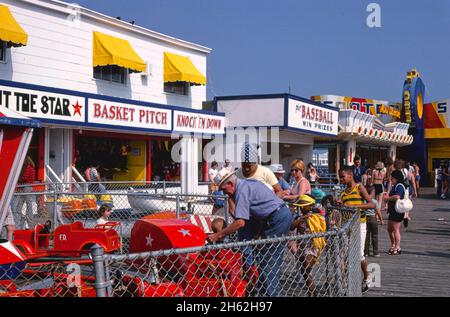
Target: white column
(350,152)
(189,165)
(46,152)
(393,151)
(67,155)
(338,158)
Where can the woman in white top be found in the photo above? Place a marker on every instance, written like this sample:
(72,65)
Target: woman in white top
(301,185)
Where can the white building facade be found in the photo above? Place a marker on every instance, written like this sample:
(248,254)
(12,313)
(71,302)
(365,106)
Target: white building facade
(96,81)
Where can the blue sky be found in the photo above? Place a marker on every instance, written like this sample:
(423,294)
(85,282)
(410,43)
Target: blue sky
(316,47)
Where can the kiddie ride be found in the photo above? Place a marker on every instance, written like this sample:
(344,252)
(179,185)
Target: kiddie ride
(67,240)
(209,273)
(33,265)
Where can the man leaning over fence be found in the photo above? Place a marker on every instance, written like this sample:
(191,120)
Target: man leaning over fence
(258,212)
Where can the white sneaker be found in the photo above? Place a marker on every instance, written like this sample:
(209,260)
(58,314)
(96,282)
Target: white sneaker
(443,196)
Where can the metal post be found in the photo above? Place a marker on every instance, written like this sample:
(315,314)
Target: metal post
(177,208)
(164,187)
(337,266)
(55,211)
(97,254)
(109,287)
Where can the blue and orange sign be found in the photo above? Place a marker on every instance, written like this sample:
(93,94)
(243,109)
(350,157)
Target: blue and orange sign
(413,97)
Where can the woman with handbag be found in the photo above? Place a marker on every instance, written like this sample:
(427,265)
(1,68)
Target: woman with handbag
(398,203)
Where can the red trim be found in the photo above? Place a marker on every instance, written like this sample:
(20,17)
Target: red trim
(11,141)
(41,155)
(148,174)
(205,171)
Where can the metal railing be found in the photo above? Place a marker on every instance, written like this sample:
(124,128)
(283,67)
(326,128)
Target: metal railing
(128,206)
(156,186)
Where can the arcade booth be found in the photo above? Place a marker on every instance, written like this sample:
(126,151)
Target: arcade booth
(284,125)
(369,128)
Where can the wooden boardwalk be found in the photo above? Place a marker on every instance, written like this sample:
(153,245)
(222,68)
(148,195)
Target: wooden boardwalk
(423,268)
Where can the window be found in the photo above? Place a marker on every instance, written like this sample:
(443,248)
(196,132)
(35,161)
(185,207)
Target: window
(2,51)
(112,73)
(179,88)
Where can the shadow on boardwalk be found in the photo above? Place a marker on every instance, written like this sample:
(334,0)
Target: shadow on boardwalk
(423,268)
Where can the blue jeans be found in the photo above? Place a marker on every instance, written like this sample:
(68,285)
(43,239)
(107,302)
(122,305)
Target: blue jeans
(247,233)
(271,255)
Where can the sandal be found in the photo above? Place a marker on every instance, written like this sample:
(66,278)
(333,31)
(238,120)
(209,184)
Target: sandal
(391,251)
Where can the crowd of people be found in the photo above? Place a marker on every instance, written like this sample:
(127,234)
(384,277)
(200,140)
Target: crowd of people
(263,204)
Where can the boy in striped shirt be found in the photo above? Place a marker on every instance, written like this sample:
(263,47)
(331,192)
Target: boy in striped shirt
(355,195)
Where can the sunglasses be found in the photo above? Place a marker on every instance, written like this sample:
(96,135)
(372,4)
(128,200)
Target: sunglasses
(295,170)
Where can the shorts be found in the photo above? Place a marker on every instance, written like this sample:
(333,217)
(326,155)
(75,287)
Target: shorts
(418,178)
(363,233)
(378,188)
(9,221)
(395,216)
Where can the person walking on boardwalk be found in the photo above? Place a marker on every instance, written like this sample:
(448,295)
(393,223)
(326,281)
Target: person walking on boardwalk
(358,170)
(417,176)
(379,175)
(355,195)
(395,219)
(372,216)
(409,182)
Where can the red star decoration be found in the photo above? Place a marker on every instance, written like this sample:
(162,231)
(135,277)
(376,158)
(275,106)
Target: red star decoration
(77,108)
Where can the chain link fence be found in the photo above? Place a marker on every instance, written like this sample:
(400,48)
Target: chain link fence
(323,264)
(49,278)
(319,264)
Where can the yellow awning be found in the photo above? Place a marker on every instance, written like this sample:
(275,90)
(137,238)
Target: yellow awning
(10,31)
(110,50)
(180,68)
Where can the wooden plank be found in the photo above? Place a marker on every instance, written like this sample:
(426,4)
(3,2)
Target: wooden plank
(423,267)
